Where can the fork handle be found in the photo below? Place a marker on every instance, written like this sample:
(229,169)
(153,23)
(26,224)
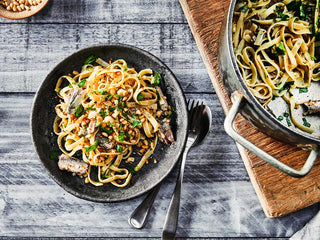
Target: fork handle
(171,222)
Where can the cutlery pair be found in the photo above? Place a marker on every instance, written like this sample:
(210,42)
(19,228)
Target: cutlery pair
(199,122)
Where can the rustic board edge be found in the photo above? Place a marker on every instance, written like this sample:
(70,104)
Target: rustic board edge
(269,210)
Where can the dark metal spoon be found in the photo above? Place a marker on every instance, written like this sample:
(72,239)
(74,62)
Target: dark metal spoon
(140,214)
(199,126)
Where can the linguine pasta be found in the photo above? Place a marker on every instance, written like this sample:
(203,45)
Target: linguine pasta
(106,111)
(276,48)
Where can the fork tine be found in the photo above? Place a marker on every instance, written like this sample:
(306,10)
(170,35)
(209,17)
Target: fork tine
(192,114)
(196,116)
(190,110)
(192,104)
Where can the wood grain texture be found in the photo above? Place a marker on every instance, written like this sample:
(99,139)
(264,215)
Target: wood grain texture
(38,48)
(15,140)
(279,193)
(218,200)
(110,11)
(224,204)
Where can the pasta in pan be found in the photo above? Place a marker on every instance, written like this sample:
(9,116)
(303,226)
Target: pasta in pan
(106,111)
(276,48)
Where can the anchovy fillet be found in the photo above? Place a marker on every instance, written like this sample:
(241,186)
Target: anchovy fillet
(104,141)
(163,103)
(72,164)
(165,133)
(74,99)
(313,107)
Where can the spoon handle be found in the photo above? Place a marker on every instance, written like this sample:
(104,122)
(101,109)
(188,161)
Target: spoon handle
(171,222)
(140,214)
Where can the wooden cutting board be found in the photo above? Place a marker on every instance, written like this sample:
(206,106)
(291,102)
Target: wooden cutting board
(278,193)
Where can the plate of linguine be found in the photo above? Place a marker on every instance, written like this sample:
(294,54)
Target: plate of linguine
(109,122)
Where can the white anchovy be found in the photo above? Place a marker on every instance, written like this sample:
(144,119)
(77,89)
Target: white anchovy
(104,141)
(75,97)
(313,107)
(72,164)
(163,103)
(165,133)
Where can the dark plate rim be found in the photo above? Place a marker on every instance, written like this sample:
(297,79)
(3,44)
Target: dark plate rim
(35,99)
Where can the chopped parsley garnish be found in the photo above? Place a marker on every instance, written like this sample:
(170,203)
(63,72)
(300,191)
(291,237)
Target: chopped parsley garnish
(121,105)
(92,147)
(121,136)
(107,130)
(287,118)
(294,6)
(244,9)
(102,91)
(125,115)
(280,50)
(70,85)
(132,171)
(104,175)
(156,79)
(119,149)
(111,109)
(125,68)
(79,110)
(98,124)
(83,81)
(305,122)
(54,155)
(279,12)
(136,169)
(135,122)
(140,97)
(90,108)
(90,59)
(103,113)
(303,90)
(286,86)
(280,118)
(288,122)
(109,96)
(304,11)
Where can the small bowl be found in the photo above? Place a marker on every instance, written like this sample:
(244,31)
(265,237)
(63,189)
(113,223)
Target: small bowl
(45,141)
(23,14)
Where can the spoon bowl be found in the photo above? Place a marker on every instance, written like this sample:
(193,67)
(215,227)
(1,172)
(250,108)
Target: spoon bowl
(139,216)
(206,121)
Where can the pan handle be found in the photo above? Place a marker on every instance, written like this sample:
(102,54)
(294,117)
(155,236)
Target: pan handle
(238,100)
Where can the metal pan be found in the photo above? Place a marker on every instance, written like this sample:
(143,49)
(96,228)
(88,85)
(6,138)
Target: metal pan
(45,141)
(263,119)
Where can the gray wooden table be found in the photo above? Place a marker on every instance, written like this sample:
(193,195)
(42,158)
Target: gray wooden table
(218,199)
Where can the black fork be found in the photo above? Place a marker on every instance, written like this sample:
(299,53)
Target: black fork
(195,110)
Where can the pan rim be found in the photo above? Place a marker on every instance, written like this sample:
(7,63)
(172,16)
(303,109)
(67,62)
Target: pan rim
(262,110)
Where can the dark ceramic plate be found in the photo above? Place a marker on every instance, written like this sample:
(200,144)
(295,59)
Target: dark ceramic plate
(45,140)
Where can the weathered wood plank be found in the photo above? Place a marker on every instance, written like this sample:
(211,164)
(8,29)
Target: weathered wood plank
(138,238)
(29,52)
(279,193)
(218,151)
(216,209)
(101,11)
(224,204)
